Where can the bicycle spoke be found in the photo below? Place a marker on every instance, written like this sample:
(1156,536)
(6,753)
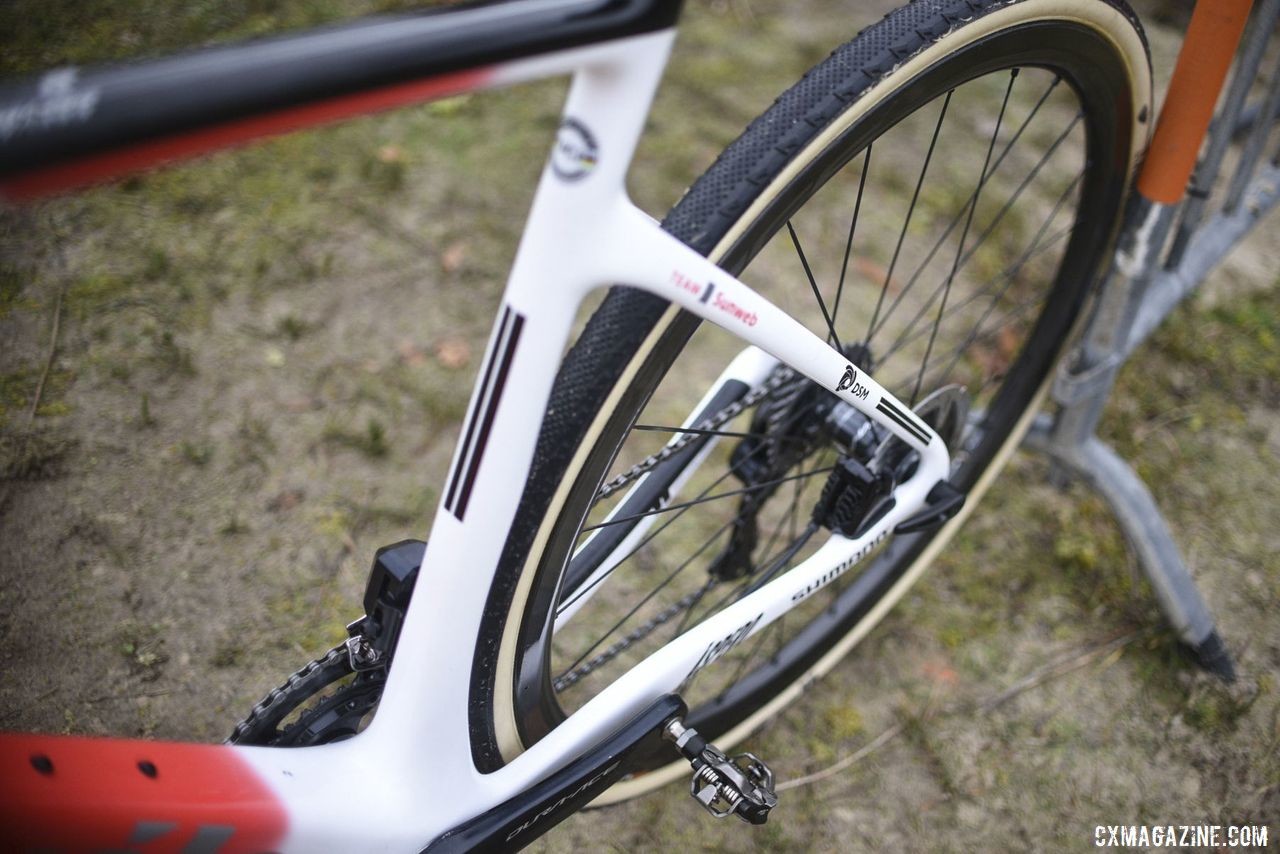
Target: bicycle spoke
(791,510)
(902,236)
(746,658)
(782,561)
(778,437)
(853,225)
(773,538)
(648,539)
(702,591)
(578,594)
(1008,276)
(746,490)
(964,235)
(990,335)
(983,237)
(736,592)
(1011,278)
(648,597)
(788,519)
(726,433)
(804,262)
(956,219)
(731,596)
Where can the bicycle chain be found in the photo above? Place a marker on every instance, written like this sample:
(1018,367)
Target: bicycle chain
(780,376)
(569,677)
(296,683)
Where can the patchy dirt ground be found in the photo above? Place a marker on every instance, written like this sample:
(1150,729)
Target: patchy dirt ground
(257,374)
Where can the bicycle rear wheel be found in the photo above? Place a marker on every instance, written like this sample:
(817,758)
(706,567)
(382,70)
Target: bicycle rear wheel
(936,197)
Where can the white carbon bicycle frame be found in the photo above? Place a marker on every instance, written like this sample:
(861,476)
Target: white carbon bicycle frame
(583,233)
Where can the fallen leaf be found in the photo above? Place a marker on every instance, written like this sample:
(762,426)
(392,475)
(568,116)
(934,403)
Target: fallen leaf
(286,500)
(1009,341)
(274,357)
(410,353)
(940,673)
(873,271)
(452,257)
(1111,658)
(453,353)
(301,404)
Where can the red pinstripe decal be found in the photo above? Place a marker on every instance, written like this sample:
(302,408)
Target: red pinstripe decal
(110,164)
(79,794)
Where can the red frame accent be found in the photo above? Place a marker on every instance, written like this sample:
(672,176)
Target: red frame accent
(111,164)
(64,793)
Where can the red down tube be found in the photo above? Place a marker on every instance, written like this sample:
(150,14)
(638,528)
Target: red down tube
(71,794)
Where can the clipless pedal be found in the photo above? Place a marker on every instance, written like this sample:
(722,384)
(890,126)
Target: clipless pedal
(741,785)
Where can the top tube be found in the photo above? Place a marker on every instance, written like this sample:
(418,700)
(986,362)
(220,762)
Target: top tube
(53,120)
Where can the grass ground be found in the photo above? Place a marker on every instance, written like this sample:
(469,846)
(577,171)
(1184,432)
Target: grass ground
(260,365)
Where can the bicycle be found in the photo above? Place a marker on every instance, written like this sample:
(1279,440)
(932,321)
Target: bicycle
(899,463)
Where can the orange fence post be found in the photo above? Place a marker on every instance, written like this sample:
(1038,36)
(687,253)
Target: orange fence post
(1210,44)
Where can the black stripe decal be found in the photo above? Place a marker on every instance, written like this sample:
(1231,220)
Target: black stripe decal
(455,477)
(906,415)
(482,439)
(897,416)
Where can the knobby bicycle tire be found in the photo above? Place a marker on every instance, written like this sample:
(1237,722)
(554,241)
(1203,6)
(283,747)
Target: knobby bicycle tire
(916,57)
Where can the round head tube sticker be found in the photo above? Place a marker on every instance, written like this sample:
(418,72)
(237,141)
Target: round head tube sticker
(575,152)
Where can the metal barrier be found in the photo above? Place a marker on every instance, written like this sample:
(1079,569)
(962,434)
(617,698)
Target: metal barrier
(1144,284)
